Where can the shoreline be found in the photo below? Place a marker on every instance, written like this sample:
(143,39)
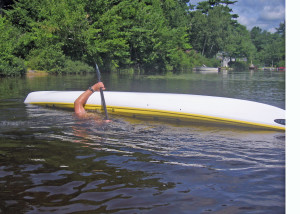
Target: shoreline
(36,73)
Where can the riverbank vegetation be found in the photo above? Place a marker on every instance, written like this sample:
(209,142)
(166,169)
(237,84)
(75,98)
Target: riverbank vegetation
(69,36)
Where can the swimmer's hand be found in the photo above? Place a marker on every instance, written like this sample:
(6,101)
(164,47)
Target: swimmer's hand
(97,86)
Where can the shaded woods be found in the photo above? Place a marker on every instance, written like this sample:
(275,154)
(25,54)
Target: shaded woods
(69,36)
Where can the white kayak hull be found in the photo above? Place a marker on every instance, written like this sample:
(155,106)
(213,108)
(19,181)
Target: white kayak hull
(179,107)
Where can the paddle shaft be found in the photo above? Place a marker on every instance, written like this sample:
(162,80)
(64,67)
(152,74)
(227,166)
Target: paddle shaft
(103,103)
(102,94)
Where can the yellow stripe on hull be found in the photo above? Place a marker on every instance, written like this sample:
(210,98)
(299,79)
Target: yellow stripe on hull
(164,115)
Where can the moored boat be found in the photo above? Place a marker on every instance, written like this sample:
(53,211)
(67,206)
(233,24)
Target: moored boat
(252,66)
(204,68)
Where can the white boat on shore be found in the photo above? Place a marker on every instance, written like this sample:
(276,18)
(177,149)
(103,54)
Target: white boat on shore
(204,68)
(174,107)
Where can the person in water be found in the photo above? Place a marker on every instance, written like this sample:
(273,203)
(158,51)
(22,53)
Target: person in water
(82,99)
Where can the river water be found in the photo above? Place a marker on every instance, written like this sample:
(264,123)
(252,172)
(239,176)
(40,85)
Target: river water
(53,162)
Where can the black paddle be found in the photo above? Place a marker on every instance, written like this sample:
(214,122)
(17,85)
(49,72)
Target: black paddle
(101,93)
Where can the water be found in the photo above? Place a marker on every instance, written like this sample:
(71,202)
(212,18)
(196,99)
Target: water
(53,162)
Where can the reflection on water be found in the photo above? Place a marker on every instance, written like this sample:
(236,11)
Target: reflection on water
(53,162)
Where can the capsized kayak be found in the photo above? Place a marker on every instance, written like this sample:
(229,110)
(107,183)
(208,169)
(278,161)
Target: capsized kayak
(179,107)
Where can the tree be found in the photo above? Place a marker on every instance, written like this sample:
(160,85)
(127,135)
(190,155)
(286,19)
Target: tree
(210,27)
(281,29)
(270,46)
(5,4)
(10,65)
(146,34)
(138,33)
(273,52)
(205,6)
(52,32)
(239,44)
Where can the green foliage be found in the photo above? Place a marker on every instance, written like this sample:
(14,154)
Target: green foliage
(76,67)
(270,47)
(54,61)
(210,28)
(215,30)
(10,65)
(239,43)
(206,6)
(51,59)
(69,36)
(238,65)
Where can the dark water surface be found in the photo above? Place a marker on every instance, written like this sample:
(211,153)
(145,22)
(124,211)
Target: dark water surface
(53,162)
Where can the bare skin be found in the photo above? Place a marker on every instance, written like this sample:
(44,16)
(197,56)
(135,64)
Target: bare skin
(82,99)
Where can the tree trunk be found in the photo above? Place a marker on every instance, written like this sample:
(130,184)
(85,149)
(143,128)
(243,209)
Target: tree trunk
(204,46)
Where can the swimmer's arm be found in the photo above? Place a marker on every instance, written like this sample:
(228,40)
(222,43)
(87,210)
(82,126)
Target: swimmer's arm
(82,99)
